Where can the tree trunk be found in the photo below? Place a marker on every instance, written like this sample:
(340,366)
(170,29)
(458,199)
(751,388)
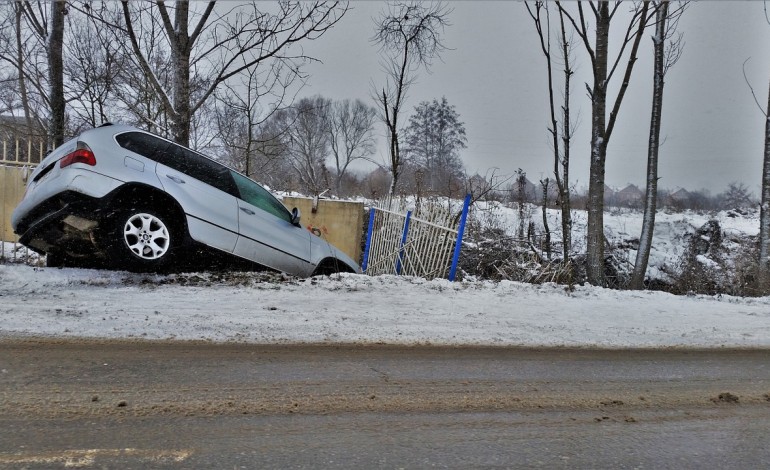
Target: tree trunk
(546,228)
(651,195)
(395,156)
(595,242)
(20,68)
(763,277)
(180,48)
(56,72)
(566,136)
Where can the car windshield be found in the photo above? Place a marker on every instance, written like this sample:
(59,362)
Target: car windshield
(259,197)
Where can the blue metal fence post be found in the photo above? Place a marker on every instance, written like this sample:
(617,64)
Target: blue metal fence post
(459,242)
(403,242)
(365,261)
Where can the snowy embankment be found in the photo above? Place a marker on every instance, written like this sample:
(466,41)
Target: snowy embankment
(270,309)
(623,227)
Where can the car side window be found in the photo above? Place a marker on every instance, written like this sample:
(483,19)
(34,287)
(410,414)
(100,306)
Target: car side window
(180,159)
(208,171)
(258,196)
(172,156)
(148,146)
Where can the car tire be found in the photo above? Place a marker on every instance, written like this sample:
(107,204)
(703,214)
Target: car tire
(142,239)
(55,260)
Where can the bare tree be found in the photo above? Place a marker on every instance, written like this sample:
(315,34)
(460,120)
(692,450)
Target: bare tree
(93,66)
(209,46)
(19,63)
(601,125)
(142,104)
(561,142)
(664,57)
(24,47)
(243,108)
(764,218)
(351,135)
(409,36)
(307,141)
(59,71)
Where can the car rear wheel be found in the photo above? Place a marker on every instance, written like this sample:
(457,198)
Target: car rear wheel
(56,260)
(143,239)
(61,260)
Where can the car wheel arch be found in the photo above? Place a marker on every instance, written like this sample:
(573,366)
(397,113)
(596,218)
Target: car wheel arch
(140,194)
(331,265)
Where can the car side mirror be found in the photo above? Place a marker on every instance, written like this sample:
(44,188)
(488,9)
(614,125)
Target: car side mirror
(295,216)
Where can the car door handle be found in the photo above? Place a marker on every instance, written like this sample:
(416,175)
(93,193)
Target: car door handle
(247,210)
(175,179)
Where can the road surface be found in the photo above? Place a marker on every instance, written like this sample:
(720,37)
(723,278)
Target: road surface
(116,404)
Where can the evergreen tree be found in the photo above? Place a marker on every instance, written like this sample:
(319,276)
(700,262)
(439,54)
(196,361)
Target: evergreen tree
(434,138)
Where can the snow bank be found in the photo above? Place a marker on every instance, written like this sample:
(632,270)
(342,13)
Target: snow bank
(362,309)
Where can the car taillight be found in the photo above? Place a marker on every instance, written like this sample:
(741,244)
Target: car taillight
(82,154)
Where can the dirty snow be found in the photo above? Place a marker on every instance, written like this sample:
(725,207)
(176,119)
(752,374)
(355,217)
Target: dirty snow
(272,309)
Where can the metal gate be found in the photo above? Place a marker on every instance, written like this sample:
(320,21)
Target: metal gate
(424,242)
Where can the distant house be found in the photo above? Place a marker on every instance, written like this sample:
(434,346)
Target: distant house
(609,196)
(12,127)
(680,195)
(678,199)
(630,196)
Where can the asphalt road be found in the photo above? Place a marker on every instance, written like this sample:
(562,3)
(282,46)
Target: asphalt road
(199,405)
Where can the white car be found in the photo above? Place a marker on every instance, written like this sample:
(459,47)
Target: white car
(122,197)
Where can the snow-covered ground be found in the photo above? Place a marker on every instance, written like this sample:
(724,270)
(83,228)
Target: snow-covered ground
(269,309)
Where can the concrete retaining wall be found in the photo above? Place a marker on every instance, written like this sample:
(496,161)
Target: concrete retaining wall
(11,191)
(338,222)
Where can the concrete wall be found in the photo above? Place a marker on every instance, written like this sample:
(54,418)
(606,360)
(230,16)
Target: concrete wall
(11,191)
(338,222)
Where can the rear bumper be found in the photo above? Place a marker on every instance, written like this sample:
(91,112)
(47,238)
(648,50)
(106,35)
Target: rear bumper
(62,222)
(75,194)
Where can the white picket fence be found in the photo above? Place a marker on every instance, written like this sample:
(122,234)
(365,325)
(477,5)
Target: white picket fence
(18,158)
(423,242)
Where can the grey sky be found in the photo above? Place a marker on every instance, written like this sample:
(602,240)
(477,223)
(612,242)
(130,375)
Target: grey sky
(495,76)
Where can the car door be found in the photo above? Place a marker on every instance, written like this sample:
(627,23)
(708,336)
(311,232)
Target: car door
(267,235)
(206,191)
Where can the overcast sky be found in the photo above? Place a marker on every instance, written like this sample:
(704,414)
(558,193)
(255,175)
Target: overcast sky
(495,76)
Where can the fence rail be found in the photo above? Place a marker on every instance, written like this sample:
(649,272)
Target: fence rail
(425,242)
(22,152)
(14,252)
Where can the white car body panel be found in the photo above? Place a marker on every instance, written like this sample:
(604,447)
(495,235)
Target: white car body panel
(212,215)
(215,214)
(272,241)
